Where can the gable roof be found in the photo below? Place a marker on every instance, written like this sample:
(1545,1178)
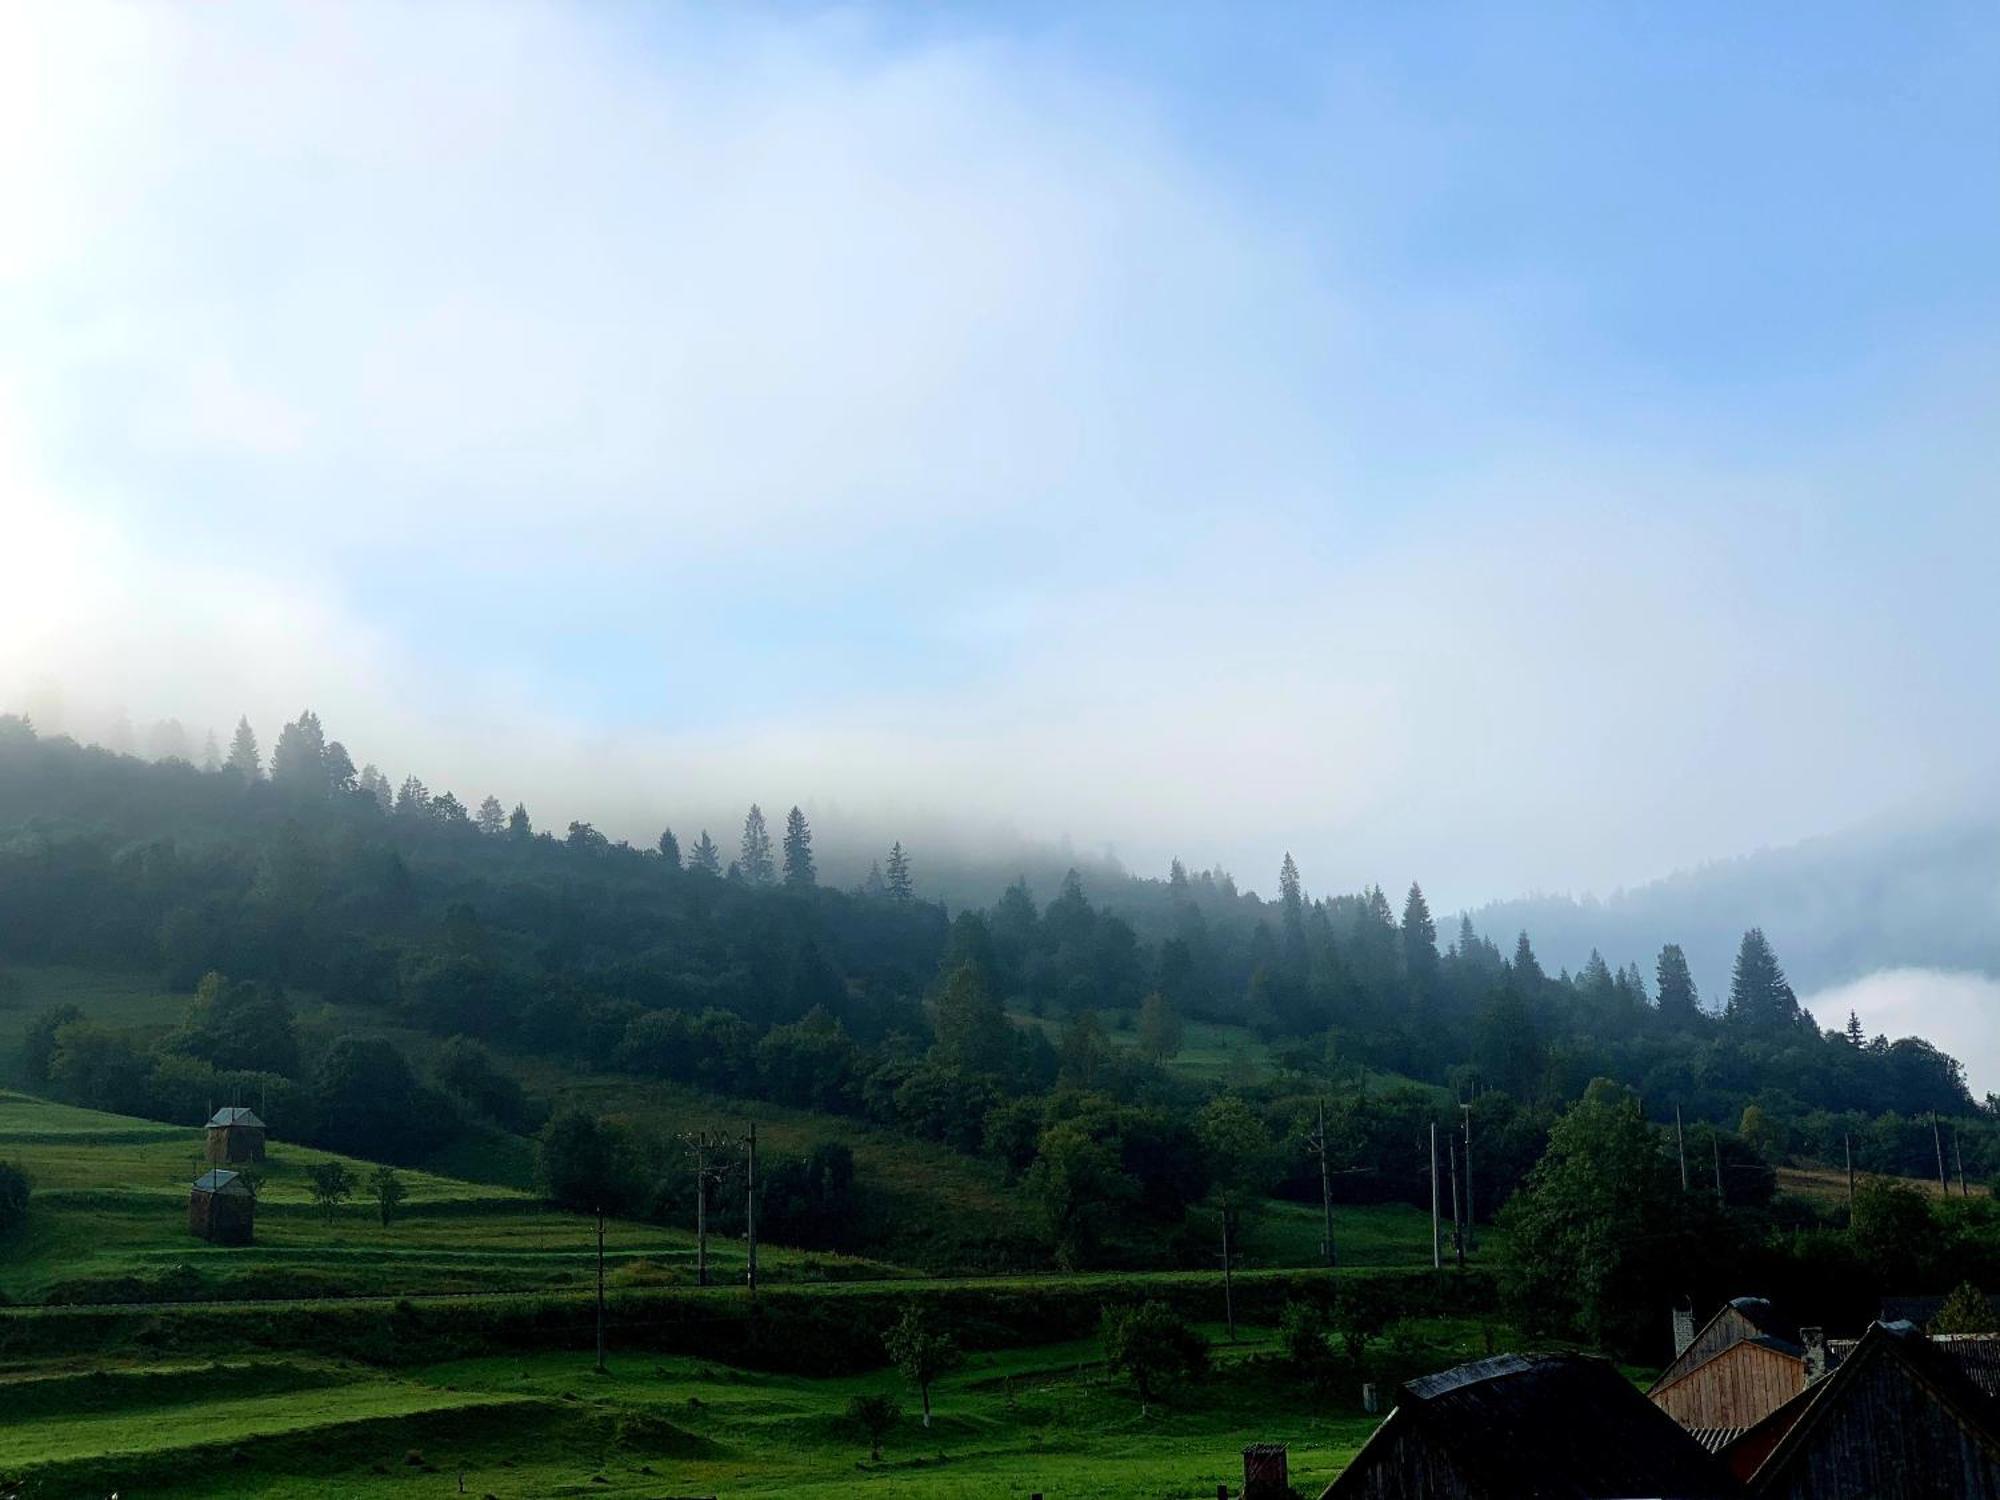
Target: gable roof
(1937,1371)
(1552,1426)
(233,1115)
(217,1180)
(1758,1320)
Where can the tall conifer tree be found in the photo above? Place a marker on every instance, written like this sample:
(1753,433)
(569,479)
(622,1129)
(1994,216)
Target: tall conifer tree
(799,871)
(754,859)
(243,757)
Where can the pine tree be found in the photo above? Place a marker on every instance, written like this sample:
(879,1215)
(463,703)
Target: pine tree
(901,887)
(1856,1037)
(1177,878)
(1420,938)
(1290,896)
(705,858)
(1527,968)
(339,766)
(519,825)
(298,760)
(413,798)
(874,886)
(670,849)
(492,817)
(1678,1001)
(1759,995)
(755,857)
(243,757)
(211,753)
(376,785)
(799,872)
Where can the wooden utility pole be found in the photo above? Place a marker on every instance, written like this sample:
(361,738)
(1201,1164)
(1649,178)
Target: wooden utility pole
(1958,1156)
(1715,1146)
(1937,1140)
(1459,1229)
(750,1206)
(1316,1143)
(702,1147)
(1681,1147)
(1228,1286)
(1437,1245)
(1848,1142)
(600,1289)
(1471,1232)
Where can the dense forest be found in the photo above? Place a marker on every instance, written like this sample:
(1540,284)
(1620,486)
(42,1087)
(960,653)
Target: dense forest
(717,959)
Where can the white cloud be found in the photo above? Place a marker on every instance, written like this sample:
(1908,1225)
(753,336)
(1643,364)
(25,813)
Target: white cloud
(1957,1011)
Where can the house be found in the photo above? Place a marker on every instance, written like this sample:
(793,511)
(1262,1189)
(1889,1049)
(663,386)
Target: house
(1740,1367)
(1547,1426)
(235,1135)
(1898,1418)
(222,1208)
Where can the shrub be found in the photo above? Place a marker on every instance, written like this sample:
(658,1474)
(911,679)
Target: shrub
(1153,1346)
(874,1415)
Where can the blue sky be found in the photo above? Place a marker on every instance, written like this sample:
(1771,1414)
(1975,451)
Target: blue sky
(1529,447)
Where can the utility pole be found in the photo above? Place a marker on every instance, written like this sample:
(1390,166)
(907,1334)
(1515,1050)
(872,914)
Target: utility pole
(750,1206)
(1848,1142)
(1437,1245)
(701,1147)
(1459,1229)
(1715,1145)
(1937,1140)
(1681,1147)
(1228,1286)
(1471,1231)
(1316,1143)
(1958,1154)
(600,1289)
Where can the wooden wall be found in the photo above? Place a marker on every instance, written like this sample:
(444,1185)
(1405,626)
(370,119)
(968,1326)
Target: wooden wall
(1737,1388)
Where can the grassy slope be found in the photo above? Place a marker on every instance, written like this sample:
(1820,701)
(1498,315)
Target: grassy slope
(108,1222)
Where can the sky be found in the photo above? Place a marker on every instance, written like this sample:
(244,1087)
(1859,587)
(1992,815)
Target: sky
(1524,448)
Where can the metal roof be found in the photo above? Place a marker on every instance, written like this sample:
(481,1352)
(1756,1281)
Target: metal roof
(217,1180)
(234,1115)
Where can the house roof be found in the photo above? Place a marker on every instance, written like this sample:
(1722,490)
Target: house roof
(1772,1331)
(228,1184)
(1554,1426)
(1934,1368)
(234,1115)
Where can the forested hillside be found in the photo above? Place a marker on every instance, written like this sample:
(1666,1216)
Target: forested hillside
(1036,1037)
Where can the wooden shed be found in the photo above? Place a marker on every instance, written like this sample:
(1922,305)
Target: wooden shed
(235,1135)
(1897,1419)
(221,1208)
(1741,1366)
(1550,1426)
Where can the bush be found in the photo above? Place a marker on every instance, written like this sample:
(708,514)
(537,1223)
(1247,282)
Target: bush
(14,1187)
(1153,1346)
(874,1416)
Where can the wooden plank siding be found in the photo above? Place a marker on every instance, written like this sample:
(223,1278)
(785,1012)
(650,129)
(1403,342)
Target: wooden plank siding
(1734,1389)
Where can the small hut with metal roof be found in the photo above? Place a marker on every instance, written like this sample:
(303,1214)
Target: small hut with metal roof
(235,1135)
(1551,1426)
(222,1209)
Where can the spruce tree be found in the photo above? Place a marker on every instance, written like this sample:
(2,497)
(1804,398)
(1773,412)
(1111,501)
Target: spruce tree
(1177,878)
(1678,1001)
(339,768)
(1759,995)
(1856,1037)
(298,760)
(901,887)
(706,857)
(413,798)
(755,858)
(670,849)
(243,757)
(1420,938)
(492,817)
(1290,896)
(1527,968)
(799,872)
(874,886)
(519,825)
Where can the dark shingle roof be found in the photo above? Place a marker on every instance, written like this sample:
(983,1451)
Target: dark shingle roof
(1555,1427)
(234,1115)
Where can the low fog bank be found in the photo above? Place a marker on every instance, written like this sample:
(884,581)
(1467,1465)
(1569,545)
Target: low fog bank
(1958,1011)
(1916,899)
